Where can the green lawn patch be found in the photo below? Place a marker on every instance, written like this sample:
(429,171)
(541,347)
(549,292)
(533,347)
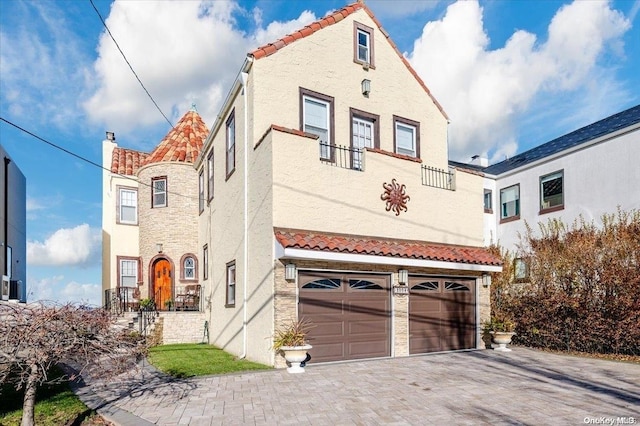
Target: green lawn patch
(55,405)
(188,360)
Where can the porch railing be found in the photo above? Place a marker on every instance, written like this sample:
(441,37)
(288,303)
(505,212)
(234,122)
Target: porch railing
(186,298)
(438,178)
(120,300)
(345,157)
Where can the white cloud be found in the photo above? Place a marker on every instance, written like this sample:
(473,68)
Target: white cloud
(41,65)
(483,91)
(33,204)
(194,61)
(56,289)
(79,246)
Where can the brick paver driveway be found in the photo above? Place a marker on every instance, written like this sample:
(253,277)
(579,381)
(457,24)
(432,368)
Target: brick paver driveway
(478,387)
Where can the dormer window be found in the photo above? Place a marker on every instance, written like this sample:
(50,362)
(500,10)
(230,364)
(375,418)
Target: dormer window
(363,45)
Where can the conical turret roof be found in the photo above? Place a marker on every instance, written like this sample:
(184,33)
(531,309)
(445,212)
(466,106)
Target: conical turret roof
(183,143)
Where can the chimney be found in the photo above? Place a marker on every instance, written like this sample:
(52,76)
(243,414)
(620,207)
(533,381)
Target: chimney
(479,160)
(111,136)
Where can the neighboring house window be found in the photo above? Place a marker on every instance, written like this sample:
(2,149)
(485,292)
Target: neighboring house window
(128,271)
(210,176)
(188,267)
(128,205)
(159,192)
(510,202)
(488,202)
(205,262)
(406,136)
(363,45)
(552,192)
(201,191)
(365,133)
(231,284)
(231,143)
(520,269)
(316,117)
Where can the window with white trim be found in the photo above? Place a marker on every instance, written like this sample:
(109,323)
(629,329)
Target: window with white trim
(231,143)
(317,119)
(128,206)
(128,272)
(159,192)
(510,202)
(231,284)
(210,176)
(363,52)
(201,191)
(406,136)
(189,268)
(488,202)
(552,191)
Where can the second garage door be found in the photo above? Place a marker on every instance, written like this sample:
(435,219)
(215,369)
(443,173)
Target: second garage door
(350,314)
(442,314)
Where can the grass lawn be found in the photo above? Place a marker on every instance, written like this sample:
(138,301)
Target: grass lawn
(55,405)
(188,360)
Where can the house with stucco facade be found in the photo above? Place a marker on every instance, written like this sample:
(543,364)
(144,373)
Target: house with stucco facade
(586,173)
(326,194)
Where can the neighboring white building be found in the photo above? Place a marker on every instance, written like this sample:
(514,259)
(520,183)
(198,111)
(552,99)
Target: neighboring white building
(588,172)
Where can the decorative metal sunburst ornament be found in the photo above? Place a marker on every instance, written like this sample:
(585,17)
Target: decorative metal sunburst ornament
(395,197)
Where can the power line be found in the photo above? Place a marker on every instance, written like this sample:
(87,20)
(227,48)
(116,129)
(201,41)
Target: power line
(127,61)
(86,159)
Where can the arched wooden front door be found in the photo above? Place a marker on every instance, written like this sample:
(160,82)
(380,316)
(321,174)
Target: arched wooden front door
(162,283)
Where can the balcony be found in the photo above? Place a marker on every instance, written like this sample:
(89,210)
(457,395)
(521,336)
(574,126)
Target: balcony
(438,178)
(344,157)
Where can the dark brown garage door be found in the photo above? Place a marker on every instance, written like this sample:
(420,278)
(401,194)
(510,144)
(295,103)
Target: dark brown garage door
(442,314)
(350,313)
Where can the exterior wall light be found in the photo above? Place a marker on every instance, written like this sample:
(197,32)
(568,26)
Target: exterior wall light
(290,272)
(159,247)
(366,87)
(486,280)
(403,277)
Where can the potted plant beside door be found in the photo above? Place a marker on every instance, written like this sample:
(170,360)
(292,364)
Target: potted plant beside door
(291,341)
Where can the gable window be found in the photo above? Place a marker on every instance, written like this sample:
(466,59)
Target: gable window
(510,203)
(316,117)
(127,205)
(201,191)
(159,192)
(188,268)
(552,192)
(365,133)
(205,262)
(406,136)
(231,143)
(210,176)
(231,284)
(363,45)
(127,271)
(488,202)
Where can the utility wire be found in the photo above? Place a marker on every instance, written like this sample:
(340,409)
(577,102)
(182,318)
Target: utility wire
(127,61)
(87,160)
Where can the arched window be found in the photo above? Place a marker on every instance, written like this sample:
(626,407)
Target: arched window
(189,267)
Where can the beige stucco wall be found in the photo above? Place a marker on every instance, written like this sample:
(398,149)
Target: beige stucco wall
(323,62)
(117,239)
(173,226)
(309,194)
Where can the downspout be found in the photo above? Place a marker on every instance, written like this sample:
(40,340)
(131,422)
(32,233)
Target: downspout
(7,160)
(245,255)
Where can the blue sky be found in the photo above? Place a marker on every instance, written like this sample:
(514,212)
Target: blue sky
(510,74)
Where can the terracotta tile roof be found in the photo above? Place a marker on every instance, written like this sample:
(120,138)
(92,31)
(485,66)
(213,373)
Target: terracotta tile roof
(409,249)
(333,18)
(126,161)
(183,143)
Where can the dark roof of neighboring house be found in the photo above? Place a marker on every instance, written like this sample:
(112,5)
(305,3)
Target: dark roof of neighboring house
(183,142)
(588,133)
(409,249)
(126,161)
(333,18)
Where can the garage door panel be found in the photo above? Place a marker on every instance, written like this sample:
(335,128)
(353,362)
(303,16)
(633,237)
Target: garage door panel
(349,322)
(441,314)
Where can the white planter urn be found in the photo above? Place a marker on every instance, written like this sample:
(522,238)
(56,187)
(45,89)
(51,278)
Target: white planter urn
(294,356)
(501,339)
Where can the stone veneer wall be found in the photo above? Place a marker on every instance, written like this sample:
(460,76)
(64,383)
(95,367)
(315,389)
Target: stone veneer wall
(183,327)
(285,298)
